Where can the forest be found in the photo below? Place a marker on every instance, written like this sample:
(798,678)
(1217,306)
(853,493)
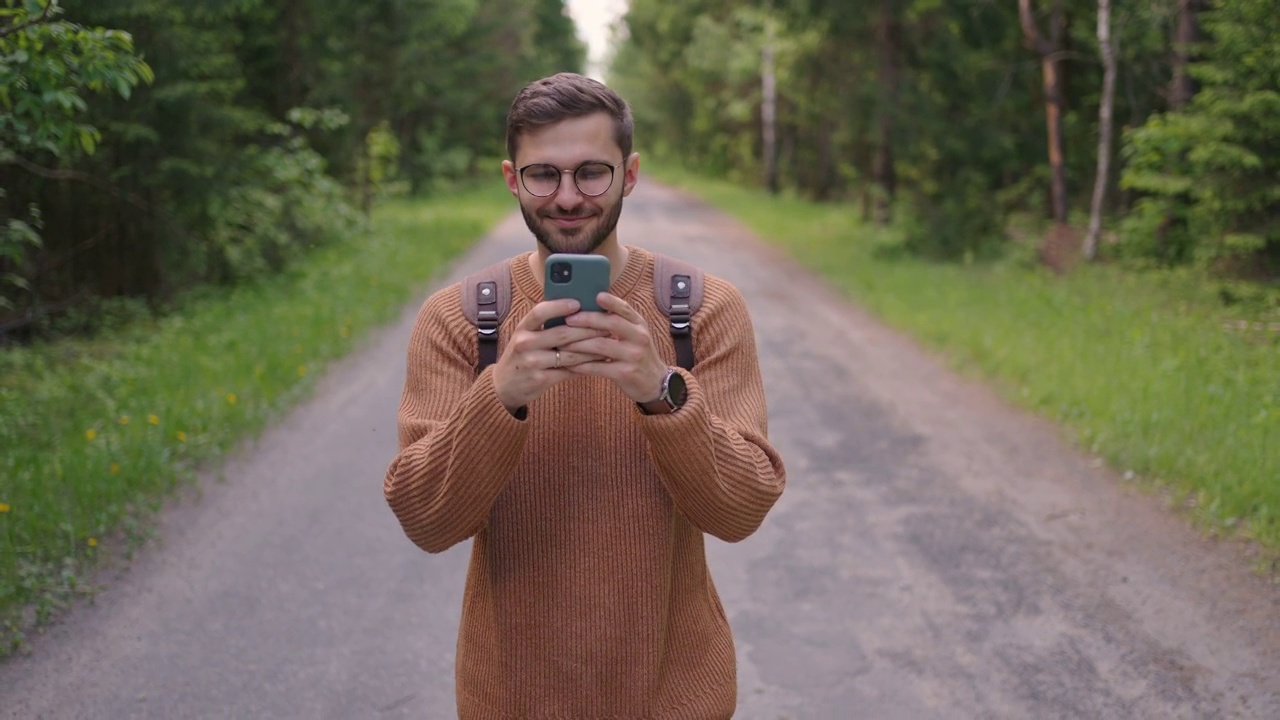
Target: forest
(204,201)
(149,146)
(1147,132)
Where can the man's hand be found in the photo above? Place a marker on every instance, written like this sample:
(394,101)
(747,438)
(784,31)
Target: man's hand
(622,349)
(535,359)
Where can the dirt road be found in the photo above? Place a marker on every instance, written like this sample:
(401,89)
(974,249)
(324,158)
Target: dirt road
(936,554)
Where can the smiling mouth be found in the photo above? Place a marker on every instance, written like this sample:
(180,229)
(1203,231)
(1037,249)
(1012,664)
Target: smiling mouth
(569,220)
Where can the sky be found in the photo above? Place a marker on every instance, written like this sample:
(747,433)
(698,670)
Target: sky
(593,18)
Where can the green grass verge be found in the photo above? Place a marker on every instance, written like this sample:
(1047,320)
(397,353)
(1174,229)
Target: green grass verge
(96,433)
(1139,366)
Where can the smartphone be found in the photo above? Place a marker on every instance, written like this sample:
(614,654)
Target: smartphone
(580,277)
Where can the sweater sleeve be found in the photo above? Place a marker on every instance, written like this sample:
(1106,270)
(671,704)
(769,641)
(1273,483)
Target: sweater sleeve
(458,444)
(713,454)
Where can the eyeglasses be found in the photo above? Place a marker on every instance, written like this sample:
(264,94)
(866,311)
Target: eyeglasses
(592,179)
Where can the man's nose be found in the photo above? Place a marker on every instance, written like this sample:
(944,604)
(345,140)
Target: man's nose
(567,194)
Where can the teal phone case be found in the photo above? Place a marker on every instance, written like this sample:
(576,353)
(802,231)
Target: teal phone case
(588,277)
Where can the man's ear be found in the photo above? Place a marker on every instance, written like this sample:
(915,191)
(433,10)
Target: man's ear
(631,173)
(512,177)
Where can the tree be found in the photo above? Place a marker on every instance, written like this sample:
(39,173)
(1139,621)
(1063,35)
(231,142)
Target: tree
(1210,172)
(1105,128)
(769,108)
(1049,50)
(1186,35)
(48,66)
(888,51)
(555,40)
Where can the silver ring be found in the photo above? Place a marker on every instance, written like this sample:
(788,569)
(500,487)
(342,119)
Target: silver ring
(557,358)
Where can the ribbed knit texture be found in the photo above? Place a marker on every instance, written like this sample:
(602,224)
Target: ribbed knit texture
(588,594)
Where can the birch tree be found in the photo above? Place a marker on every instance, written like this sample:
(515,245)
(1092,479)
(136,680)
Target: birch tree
(1105,128)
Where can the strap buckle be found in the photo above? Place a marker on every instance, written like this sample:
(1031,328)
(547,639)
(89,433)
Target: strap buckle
(487,324)
(680,319)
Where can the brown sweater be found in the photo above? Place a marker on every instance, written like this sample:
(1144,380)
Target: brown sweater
(588,594)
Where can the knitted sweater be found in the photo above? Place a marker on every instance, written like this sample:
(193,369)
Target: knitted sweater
(588,594)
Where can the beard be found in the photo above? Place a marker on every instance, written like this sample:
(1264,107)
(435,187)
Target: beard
(580,240)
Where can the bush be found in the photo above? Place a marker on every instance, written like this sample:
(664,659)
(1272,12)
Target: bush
(1211,172)
(957,222)
(281,203)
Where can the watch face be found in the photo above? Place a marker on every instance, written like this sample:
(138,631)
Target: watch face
(676,389)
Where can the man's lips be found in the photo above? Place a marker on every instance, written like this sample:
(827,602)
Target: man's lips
(568,220)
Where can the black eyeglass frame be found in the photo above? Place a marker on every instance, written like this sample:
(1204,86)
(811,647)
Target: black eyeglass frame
(613,175)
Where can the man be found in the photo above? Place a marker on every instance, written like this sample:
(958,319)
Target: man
(585,487)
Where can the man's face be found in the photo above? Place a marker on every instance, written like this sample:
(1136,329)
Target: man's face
(569,220)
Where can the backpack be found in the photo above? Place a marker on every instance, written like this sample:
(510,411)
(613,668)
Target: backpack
(677,290)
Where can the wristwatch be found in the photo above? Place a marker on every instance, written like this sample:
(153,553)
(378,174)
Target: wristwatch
(673,392)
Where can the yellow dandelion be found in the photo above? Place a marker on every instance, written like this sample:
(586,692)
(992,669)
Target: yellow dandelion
(302,371)
(345,331)
(231,398)
(4,507)
(90,434)
(124,419)
(153,419)
(93,542)
(115,468)
(182,437)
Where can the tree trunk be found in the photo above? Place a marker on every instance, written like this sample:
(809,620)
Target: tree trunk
(769,113)
(1182,87)
(1185,35)
(882,167)
(1105,126)
(1054,101)
(294,92)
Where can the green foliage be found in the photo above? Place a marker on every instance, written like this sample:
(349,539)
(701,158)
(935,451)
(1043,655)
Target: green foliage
(555,44)
(1211,173)
(192,180)
(956,220)
(97,433)
(278,204)
(383,152)
(46,68)
(17,236)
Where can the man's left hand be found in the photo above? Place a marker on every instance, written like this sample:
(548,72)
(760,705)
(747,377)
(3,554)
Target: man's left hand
(630,359)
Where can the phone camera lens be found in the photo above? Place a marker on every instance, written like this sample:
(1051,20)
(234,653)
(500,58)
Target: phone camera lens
(561,272)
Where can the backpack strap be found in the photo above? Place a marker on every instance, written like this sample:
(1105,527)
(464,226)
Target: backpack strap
(486,300)
(678,290)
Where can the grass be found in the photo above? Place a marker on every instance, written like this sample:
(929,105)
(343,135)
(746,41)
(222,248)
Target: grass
(97,433)
(1140,367)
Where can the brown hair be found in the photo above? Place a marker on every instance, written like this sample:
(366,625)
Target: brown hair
(560,97)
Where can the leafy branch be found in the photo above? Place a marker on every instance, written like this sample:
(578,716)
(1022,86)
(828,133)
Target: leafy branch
(46,15)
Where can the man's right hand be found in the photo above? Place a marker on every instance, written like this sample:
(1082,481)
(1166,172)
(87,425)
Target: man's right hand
(530,364)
